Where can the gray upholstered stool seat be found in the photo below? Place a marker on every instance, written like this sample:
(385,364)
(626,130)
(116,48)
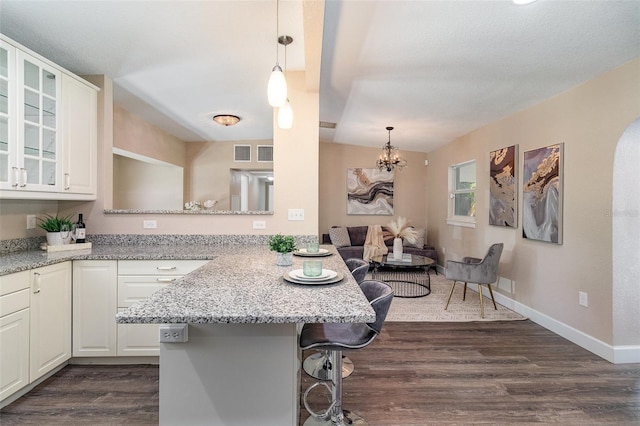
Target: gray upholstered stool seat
(316,364)
(337,337)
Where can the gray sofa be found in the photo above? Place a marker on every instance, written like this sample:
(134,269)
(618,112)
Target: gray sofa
(358,234)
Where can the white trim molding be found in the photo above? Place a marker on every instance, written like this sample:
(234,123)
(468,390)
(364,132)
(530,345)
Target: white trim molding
(621,354)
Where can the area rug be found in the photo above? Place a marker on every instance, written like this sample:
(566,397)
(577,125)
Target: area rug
(431,308)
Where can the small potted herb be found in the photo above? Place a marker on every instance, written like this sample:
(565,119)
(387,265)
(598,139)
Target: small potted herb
(56,228)
(284,245)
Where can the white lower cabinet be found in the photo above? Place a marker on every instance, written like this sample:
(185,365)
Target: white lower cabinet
(94,303)
(102,288)
(137,280)
(50,319)
(14,333)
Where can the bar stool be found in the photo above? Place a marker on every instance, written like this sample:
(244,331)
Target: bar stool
(316,364)
(337,337)
(358,268)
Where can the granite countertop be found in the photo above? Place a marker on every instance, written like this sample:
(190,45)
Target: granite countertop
(244,285)
(22,261)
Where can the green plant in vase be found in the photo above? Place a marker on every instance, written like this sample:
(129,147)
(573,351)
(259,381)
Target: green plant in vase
(284,245)
(55,227)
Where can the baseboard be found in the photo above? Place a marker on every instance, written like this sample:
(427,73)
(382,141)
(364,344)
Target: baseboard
(621,354)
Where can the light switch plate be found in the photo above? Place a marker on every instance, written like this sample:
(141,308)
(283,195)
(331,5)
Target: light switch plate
(296,214)
(149,224)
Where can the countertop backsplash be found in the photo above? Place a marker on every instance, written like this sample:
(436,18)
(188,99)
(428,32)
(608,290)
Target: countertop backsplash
(33,243)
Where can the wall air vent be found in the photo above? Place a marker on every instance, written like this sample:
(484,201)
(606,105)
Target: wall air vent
(265,153)
(327,125)
(242,153)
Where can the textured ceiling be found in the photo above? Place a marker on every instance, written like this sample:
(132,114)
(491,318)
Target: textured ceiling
(434,70)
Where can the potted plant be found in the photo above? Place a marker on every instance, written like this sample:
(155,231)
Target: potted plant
(284,245)
(56,227)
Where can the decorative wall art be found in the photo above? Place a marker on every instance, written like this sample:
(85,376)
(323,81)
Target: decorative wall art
(502,187)
(542,194)
(369,191)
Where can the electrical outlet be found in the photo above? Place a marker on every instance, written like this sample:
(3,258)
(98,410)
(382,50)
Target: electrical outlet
(583,299)
(174,333)
(149,224)
(31,221)
(296,214)
(259,224)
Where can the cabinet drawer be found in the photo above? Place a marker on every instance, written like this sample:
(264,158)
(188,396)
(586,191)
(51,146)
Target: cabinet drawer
(14,302)
(132,289)
(158,267)
(14,282)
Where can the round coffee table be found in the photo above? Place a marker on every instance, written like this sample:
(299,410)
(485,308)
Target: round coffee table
(408,277)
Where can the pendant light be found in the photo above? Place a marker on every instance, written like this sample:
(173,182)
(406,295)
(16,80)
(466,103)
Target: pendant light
(285,116)
(285,112)
(277,87)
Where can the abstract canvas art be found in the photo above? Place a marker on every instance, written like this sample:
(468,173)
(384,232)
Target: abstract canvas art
(542,194)
(502,187)
(369,192)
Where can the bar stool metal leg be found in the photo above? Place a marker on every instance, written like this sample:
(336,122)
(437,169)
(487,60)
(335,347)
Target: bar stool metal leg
(316,366)
(334,415)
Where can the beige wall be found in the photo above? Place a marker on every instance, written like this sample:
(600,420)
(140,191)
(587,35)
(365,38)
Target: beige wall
(295,155)
(141,185)
(410,186)
(131,133)
(589,120)
(209,164)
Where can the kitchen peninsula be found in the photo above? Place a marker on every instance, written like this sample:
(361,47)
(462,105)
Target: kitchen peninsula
(241,363)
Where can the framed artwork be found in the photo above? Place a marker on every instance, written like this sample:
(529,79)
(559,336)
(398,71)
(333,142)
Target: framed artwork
(542,194)
(503,202)
(369,192)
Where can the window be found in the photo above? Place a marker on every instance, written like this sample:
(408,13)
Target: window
(462,194)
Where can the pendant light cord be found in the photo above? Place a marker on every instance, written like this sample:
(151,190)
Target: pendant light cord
(277,28)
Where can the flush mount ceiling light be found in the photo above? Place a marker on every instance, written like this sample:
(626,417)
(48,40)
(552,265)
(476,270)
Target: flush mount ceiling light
(390,158)
(277,87)
(226,119)
(522,2)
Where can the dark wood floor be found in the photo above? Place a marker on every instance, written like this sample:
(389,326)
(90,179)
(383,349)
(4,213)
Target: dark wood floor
(414,374)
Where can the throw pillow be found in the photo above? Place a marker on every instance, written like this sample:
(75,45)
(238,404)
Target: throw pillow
(419,239)
(339,237)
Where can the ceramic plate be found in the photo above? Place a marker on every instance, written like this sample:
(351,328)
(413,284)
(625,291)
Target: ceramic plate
(333,280)
(326,274)
(321,252)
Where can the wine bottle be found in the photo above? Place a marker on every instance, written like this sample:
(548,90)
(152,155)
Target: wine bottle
(80,230)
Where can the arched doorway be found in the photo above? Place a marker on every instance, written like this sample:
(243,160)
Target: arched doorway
(626,245)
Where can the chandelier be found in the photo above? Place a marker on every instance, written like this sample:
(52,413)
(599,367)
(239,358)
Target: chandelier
(389,159)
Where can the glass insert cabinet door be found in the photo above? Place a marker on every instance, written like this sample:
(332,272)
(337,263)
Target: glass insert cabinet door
(8,172)
(38,124)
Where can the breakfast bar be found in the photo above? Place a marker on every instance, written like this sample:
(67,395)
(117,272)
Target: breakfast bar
(240,364)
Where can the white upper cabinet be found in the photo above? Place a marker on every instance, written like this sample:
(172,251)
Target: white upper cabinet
(38,97)
(80,115)
(8,171)
(48,129)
